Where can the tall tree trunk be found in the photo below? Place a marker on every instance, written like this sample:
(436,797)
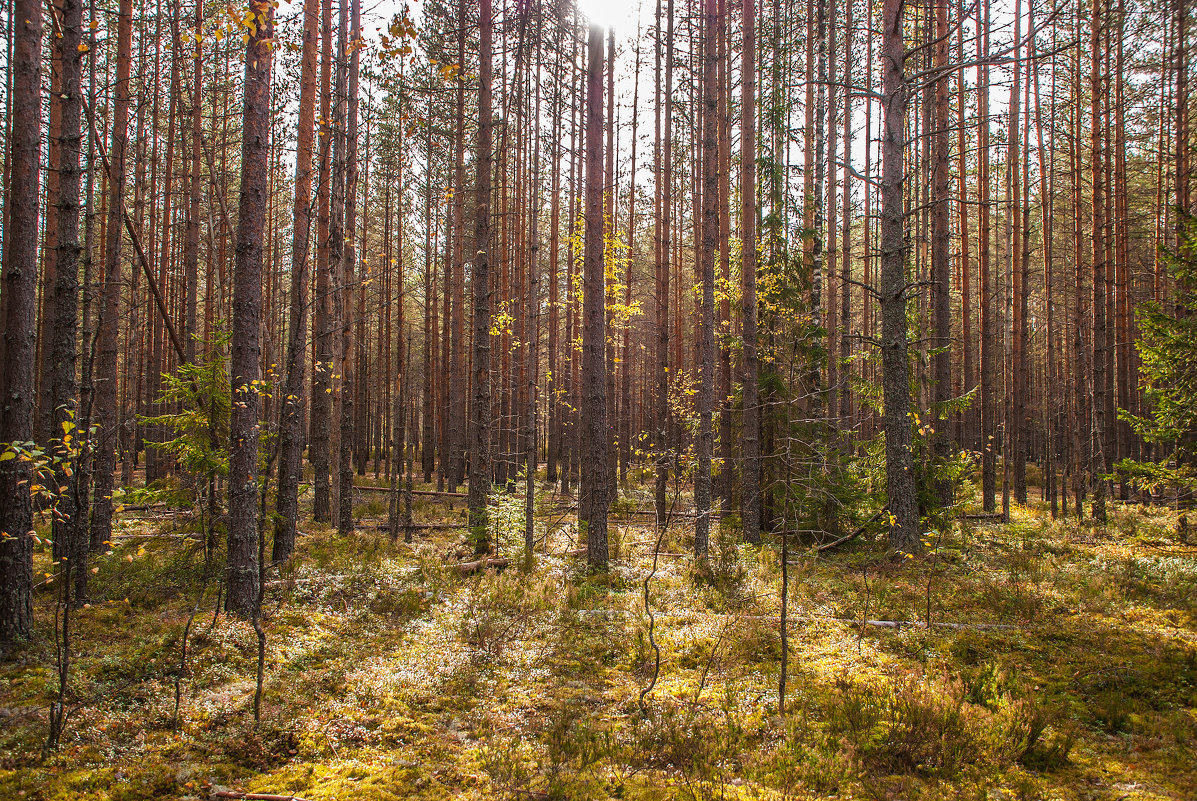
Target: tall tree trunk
(107,343)
(593,500)
(322,367)
(480,421)
(290,465)
(553,403)
(940,248)
(899,464)
(242,572)
(704,444)
(664,180)
(69,528)
(626,357)
(191,241)
(1017,456)
(750,490)
(1099,463)
(457,368)
(989,366)
(19,306)
(970,423)
(348,285)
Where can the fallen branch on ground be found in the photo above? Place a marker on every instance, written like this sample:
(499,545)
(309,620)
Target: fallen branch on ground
(849,537)
(887,624)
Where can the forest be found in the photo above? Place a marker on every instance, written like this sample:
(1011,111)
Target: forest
(588,399)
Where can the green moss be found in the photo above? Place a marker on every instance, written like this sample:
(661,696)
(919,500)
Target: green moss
(388,675)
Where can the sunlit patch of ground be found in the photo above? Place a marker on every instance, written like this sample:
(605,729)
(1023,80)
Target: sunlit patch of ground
(390,676)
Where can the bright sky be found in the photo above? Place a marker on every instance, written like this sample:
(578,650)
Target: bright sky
(620,14)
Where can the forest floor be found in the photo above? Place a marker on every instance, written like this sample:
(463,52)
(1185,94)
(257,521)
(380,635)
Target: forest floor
(1072,673)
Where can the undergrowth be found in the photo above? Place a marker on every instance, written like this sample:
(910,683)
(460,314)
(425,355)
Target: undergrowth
(389,675)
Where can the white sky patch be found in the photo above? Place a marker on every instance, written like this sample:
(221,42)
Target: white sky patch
(619,14)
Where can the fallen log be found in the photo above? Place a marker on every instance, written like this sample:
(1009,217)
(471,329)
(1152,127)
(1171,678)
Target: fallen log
(372,488)
(255,796)
(466,568)
(432,493)
(413,526)
(886,624)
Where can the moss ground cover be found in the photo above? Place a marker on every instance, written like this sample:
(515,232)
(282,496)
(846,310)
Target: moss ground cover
(1067,670)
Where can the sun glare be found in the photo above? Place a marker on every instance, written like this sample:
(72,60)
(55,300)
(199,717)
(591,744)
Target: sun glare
(618,14)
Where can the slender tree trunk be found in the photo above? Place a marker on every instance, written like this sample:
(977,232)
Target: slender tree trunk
(971,419)
(457,400)
(191,242)
(706,257)
(431,349)
(348,285)
(664,267)
(1016,457)
(63,393)
(553,402)
(626,353)
(940,247)
(593,500)
(480,422)
(750,491)
(19,302)
(1099,464)
(899,464)
(291,425)
(107,343)
(989,367)
(322,367)
(241,597)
